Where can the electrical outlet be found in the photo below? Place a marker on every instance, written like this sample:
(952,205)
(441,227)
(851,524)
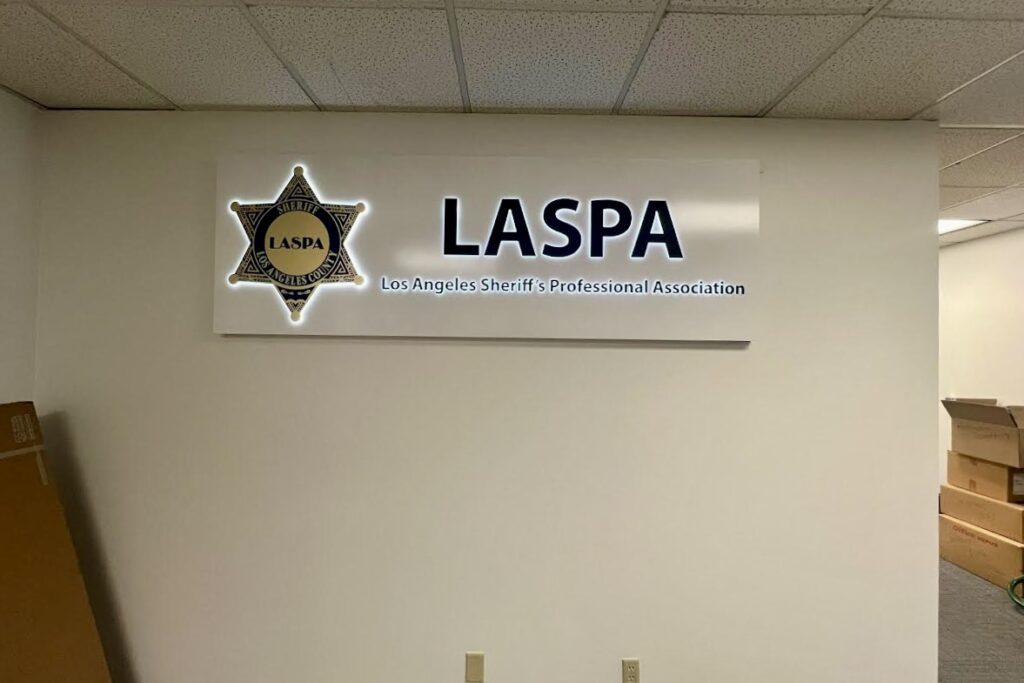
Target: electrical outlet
(474,667)
(630,671)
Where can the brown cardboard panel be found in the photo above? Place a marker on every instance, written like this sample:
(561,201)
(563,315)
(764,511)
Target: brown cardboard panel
(978,412)
(1005,519)
(19,428)
(986,478)
(992,442)
(1017,412)
(992,557)
(47,631)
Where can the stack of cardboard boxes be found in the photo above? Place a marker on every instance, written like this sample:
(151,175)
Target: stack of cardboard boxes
(47,632)
(981,519)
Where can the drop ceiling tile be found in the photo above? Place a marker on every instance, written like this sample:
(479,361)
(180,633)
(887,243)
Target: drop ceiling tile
(137,3)
(376,4)
(773,6)
(995,99)
(196,56)
(725,64)
(1003,204)
(39,60)
(369,58)
(998,167)
(563,5)
(893,68)
(548,61)
(956,144)
(977,9)
(150,3)
(950,196)
(979,231)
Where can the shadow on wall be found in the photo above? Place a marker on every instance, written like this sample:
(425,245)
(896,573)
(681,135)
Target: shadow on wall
(63,463)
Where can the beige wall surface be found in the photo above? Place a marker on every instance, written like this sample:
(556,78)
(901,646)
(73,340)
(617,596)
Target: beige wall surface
(981,323)
(331,509)
(18,278)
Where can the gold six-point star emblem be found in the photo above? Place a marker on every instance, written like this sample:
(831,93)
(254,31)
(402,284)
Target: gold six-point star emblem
(296,243)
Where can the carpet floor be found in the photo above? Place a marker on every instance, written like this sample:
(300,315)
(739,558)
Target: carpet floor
(981,633)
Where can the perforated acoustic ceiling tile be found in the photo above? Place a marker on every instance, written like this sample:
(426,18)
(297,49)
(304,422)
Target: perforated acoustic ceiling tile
(774,6)
(562,5)
(950,196)
(977,9)
(137,3)
(39,60)
(196,56)
(893,68)
(998,167)
(983,230)
(369,58)
(548,61)
(956,144)
(728,64)
(374,4)
(991,207)
(994,99)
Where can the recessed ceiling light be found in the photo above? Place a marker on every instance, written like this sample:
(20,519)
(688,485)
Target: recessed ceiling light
(954,224)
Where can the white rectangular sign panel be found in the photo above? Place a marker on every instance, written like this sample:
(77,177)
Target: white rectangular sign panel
(474,246)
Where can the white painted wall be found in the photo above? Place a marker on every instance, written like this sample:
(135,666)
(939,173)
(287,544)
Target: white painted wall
(303,509)
(981,331)
(17,251)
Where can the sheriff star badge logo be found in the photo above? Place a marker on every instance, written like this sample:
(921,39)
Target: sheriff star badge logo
(296,243)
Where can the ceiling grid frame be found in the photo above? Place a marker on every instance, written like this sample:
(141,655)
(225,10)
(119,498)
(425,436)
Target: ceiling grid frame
(980,196)
(969,82)
(24,98)
(661,9)
(60,25)
(982,150)
(460,63)
(988,195)
(983,126)
(243,7)
(865,12)
(824,57)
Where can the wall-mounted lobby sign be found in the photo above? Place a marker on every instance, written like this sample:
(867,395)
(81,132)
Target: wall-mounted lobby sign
(474,246)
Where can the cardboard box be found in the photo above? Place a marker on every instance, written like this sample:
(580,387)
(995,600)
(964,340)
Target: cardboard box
(992,557)
(47,631)
(19,427)
(1005,519)
(982,429)
(987,478)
